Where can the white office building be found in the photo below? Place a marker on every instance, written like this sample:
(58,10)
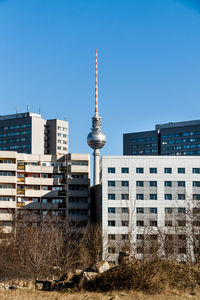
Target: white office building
(141,196)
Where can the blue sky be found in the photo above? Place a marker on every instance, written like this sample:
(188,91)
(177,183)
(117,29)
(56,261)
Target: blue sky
(149,63)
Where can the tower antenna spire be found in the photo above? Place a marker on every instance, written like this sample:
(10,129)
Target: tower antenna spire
(96,87)
(96,139)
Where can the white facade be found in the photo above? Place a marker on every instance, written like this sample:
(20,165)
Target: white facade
(141,192)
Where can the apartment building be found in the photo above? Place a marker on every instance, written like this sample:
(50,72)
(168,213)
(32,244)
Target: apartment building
(30,133)
(141,196)
(174,138)
(33,186)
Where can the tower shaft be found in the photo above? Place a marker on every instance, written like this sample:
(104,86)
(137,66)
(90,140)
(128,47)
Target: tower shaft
(96,155)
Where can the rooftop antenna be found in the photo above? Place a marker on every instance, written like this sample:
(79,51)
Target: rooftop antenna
(27,108)
(39,109)
(96,88)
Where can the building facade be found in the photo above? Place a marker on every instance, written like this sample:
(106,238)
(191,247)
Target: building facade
(30,133)
(142,196)
(34,186)
(178,138)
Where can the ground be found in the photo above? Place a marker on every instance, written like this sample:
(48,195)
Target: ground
(26,294)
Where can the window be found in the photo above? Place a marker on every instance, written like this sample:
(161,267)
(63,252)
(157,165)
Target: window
(140,196)
(140,183)
(168,210)
(124,210)
(111,249)
(182,237)
(196,183)
(125,223)
(139,210)
(124,196)
(140,236)
(168,183)
(140,223)
(153,183)
(181,183)
(125,170)
(181,170)
(125,237)
(181,210)
(153,196)
(111,237)
(153,170)
(196,196)
(182,250)
(111,196)
(196,170)
(168,196)
(140,250)
(124,183)
(168,170)
(111,183)
(111,223)
(153,223)
(139,170)
(181,223)
(111,170)
(168,223)
(153,210)
(181,196)
(111,210)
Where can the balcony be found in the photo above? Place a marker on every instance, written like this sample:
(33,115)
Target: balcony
(79,169)
(84,181)
(22,180)
(7,192)
(8,167)
(21,192)
(7,179)
(78,193)
(21,167)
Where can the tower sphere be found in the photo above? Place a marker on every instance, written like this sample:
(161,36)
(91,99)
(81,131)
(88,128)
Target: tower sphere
(96,139)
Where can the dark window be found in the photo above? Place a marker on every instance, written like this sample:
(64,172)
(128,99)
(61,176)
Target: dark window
(153,223)
(139,170)
(182,237)
(168,210)
(152,183)
(111,170)
(153,210)
(140,237)
(168,170)
(140,223)
(111,196)
(140,196)
(153,196)
(139,210)
(111,183)
(139,183)
(182,250)
(181,183)
(125,223)
(181,210)
(111,249)
(181,223)
(140,250)
(196,170)
(125,170)
(124,196)
(181,170)
(196,223)
(124,210)
(153,170)
(111,223)
(168,223)
(168,183)
(168,196)
(196,196)
(181,196)
(111,237)
(124,183)
(196,183)
(125,237)
(111,210)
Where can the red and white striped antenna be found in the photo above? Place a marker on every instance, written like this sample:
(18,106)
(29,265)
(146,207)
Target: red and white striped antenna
(96,89)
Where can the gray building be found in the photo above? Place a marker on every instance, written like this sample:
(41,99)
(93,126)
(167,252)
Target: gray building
(178,138)
(30,133)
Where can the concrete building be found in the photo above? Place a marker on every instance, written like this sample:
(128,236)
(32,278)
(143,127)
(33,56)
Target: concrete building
(30,133)
(141,196)
(35,185)
(177,138)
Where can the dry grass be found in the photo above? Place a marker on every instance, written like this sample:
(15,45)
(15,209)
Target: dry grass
(39,295)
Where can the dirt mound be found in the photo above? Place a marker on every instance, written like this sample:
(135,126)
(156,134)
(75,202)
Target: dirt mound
(149,276)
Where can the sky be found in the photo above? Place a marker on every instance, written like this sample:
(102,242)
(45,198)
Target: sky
(148,59)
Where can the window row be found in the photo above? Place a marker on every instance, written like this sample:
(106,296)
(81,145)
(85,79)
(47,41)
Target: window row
(154,170)
(123,223)
(168,210)
(112,210)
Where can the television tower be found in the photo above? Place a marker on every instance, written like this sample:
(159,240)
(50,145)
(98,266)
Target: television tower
(96,139)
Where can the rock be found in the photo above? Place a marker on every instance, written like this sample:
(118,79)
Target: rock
(102,266)
(89,275)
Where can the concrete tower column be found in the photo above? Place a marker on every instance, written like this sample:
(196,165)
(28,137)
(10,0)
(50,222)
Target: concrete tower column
(96,154)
